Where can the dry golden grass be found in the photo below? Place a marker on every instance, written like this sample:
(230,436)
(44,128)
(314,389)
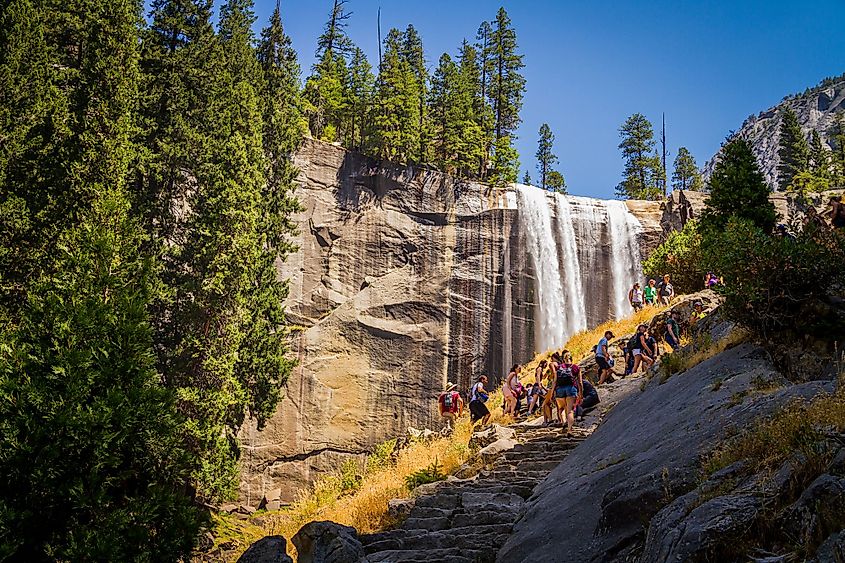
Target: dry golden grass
(701,350)
(798,428)
(366,507)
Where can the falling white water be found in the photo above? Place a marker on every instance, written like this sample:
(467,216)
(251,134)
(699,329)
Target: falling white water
(625,255)
(575,317)
(585,260)
(535,214)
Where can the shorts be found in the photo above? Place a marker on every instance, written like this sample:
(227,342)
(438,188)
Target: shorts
(449,417)
(563,392)
(536,390)
(637,305)
(636,352)
(602,362)
(477,410)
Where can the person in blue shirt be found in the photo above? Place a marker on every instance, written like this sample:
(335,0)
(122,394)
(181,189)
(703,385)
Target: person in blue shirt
(603,357)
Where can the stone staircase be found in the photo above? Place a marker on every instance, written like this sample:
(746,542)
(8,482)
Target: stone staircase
(468,520)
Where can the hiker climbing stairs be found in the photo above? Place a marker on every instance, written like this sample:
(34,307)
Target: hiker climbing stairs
(468,520)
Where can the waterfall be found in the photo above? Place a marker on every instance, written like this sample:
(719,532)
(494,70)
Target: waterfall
(625,255)
(535,215)
(585,259)
(575,318)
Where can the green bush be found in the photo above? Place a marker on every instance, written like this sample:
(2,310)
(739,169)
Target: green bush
(381,456)
(430,474)
(779,286)
(680,257)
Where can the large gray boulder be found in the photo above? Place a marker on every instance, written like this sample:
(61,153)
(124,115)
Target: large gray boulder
(328,542)
(271,549)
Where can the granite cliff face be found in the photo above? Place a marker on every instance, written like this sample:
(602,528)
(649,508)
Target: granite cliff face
(817,108)
(405,278)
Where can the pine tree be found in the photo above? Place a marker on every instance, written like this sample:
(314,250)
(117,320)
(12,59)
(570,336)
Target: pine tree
(92,461)
(483,109)
(545,157)
(35,203)
(793,151)
(397,115)
(838,152)
(446,132)
(412,52)
(526,178)
(555,182)
(360,99)
(505,163)
(686,175)
(507,84)
(641,174)
(819,157)
(738,189)
(471,108)
(326,89)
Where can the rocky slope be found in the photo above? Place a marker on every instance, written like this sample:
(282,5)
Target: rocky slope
(633,490)
(817,108)
(405,278)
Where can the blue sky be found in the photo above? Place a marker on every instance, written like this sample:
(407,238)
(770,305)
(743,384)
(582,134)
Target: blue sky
(589,65)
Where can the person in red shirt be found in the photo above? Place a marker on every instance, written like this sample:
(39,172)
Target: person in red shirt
(450,404)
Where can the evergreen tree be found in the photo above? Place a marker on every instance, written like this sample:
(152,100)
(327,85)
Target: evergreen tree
(793,151)
(397,116)
(545,157)
(507,84)
(555,182)
(838,152)
(326,89)
(641,167)
(505,163)
(92,461)
(483,109)
(360,99)
(526,178)
(472,107)
(35,201)
(686,175)
(412,52)
(738,189)
(819,157)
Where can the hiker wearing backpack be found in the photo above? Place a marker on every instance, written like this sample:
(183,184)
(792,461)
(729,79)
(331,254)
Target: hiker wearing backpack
(650,292)
(673,331)
(538,392)
(568,388)
(477,397)
(642,352)
(665,290)
(450,404)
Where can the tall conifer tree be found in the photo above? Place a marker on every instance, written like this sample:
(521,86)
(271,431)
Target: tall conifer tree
(738,189)
(793,151)
(546,159)
(686,175)
(93,465)
(641,166)
(819,157)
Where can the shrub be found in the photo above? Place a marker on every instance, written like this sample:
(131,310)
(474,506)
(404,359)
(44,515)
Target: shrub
(679,256)
(430,474)
(777,286)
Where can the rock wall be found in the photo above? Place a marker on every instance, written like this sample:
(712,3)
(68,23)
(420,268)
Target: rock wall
(404,278)
(817,109)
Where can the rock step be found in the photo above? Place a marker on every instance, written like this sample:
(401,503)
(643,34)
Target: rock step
(481,533)
(527,455)
(453,555)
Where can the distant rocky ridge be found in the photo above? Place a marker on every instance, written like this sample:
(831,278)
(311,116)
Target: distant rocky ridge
(817,108)
(405,277)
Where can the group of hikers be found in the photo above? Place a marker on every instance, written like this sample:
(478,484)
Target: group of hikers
(559,389)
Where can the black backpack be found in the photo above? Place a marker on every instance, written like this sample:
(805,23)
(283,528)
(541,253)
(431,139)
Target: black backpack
(633,343)
(564,377)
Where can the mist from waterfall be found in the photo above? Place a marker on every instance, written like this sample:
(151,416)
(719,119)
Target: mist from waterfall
(585,257)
